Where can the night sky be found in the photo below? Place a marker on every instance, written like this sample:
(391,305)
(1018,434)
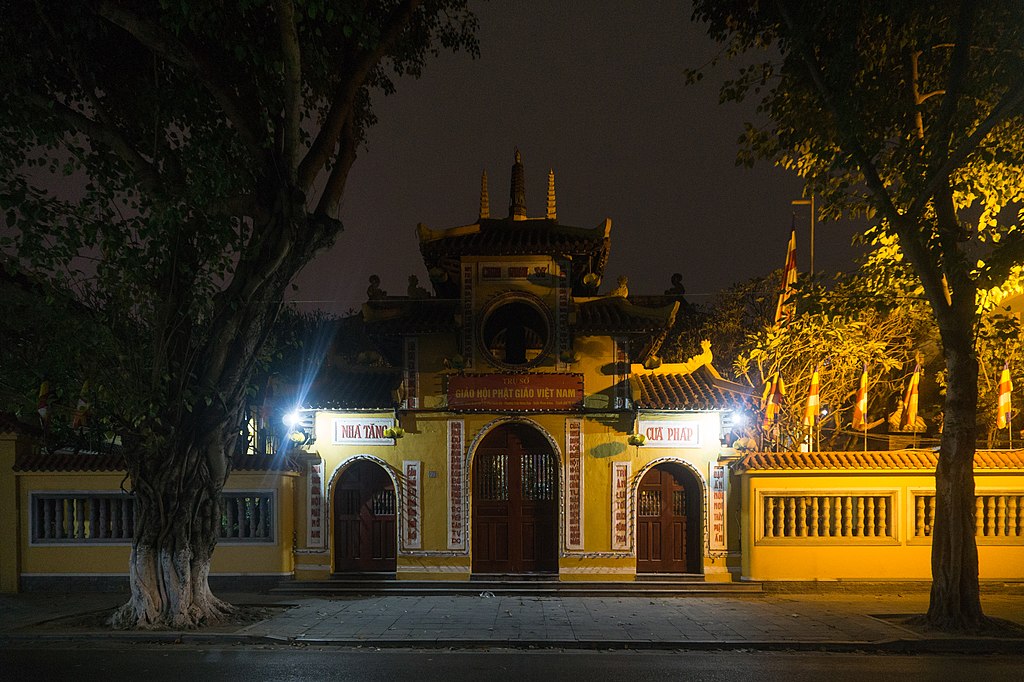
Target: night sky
(597,93)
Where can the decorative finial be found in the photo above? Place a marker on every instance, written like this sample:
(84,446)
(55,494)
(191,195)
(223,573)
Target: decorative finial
(552,214)
(517,193)
(485,199)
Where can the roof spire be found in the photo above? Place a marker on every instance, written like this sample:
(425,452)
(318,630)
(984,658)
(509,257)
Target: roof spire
(485,199)
(552,214)
(517,192)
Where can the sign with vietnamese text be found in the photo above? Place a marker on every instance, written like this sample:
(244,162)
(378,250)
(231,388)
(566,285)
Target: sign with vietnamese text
(671,434)
(362,431)
(515,391)
(456,506)
(716,504)
(621,472)
(315,496)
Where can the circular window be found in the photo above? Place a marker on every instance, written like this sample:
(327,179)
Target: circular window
(515,332)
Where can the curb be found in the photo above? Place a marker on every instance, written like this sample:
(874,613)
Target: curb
(962,645)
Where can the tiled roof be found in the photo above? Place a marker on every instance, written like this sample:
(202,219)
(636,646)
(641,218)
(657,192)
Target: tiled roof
(914,460)
(390,316)
(587,248)
(501,237)
(615,314)
(351,388)
(67,460)
(10,423)
(697,390)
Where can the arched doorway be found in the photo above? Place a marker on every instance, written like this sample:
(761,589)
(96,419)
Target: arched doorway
(668,522)
(515,502)
(365,535)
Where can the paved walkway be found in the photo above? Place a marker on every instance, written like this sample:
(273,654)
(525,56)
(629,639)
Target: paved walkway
(838,622)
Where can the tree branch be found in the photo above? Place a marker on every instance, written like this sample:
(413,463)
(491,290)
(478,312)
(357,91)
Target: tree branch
(104,134)
(343,100)
(292,85)
(154,37)
(911,240)
(330,199)
(940,140)
(1012,103)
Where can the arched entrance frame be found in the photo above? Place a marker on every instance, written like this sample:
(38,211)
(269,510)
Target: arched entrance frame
(702,484)
(485,430)
(332,483)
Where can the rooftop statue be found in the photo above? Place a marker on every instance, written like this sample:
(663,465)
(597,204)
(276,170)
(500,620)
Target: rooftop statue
(415,290)
(374,292)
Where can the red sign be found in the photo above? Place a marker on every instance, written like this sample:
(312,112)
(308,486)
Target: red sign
(515,391)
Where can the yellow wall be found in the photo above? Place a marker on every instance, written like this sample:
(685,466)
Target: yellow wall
(111,558)
(903,557)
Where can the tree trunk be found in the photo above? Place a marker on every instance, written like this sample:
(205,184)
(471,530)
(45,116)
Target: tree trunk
(177,522)
(955,603)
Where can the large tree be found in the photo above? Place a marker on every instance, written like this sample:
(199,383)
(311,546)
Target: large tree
(912,112)
(174,165)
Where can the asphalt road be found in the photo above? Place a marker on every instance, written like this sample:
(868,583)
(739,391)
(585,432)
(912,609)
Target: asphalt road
(153,663)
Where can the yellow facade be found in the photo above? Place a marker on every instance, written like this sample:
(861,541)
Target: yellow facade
(880,542)
(80,558)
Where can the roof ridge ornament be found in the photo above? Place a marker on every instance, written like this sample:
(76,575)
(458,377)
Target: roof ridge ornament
(552,214)
(485,199)
(517,191)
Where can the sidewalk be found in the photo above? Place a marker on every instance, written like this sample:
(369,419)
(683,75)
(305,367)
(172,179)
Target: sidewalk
(807,622)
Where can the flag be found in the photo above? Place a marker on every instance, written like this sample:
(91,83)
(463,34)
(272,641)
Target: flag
(784,309)
(43,404)
(909,419)
(772,398)
(1005,386)
(81,415)
(860,409)
(813,401)
(267,407)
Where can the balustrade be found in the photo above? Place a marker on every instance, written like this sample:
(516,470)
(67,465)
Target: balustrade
(827,516)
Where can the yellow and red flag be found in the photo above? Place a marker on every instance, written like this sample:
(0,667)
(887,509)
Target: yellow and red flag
(81,416)
(774,393)
(43,403)
(860,408)
(909,419)
(1005,387)
(784,310)
(813,401)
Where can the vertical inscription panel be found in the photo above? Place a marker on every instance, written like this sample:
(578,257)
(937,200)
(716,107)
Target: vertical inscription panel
(574,484)
(621,472)
(718,482)
(315,501)
(456,485)
(412,536)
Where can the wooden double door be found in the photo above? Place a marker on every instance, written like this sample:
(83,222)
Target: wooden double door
(668,524)
(515,503)
(365,535)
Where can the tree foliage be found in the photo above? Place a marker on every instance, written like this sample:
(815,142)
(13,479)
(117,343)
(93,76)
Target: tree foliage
(172,166)
(911,113)
(838,330)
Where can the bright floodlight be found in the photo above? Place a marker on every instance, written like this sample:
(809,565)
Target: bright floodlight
(291,419)
(739,419)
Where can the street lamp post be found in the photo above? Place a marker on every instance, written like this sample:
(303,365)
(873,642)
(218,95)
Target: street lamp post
(810,203)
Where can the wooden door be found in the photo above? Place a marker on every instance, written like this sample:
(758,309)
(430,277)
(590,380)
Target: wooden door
(662,504)
(515,503)
(364,520)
